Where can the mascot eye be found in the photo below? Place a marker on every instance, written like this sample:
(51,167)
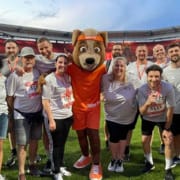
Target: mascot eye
(83,49)
(97,49)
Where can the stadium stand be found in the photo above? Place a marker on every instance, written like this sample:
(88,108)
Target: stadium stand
(27,36)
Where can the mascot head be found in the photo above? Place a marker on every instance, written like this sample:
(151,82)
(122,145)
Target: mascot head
(89,48)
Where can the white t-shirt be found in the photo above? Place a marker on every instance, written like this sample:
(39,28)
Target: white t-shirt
(59,92)
(139,71)
(23,88)
(164,98)
(172,75)
(3,104)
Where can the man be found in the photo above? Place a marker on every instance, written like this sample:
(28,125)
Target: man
(156,104)
(10,63)
(117,50)
(26,103)
(172,75)
(137,68)
(161,59)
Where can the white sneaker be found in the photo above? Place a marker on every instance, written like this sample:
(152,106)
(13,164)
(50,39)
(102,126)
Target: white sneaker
(119,166)
(58,176)
(2,177)
(112,165)
(65,172)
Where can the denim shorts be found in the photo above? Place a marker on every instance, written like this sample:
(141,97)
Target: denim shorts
(25,131)
(3,125)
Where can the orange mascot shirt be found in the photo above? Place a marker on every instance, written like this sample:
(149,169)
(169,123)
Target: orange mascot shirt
(86,87)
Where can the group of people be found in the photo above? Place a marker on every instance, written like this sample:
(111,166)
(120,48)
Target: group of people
(142,88)
(26,111)
(150,90)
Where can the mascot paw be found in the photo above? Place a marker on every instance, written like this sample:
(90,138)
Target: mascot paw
(41,82)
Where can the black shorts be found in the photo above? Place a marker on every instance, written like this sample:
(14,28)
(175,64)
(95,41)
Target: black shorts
(147,127)
(133,124)
(117,131)
(175,126)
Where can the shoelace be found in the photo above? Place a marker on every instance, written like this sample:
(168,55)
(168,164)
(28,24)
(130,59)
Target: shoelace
(95,169)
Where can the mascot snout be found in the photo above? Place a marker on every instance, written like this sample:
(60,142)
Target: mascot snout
(90,60)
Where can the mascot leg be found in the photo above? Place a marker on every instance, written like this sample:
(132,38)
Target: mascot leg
(83,141)
(94,140)
(96,169)
(85,159)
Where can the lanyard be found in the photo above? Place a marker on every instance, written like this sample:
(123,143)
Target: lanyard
(140,74)
(12,68)
(157,91)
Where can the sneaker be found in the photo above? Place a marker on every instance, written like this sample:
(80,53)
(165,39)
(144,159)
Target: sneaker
(64,171)
(47,168)
(161,149)
(126,158)
(22,177)
(148,167)
(2,177)
(34,171)
(11,160)
(58,176)
(95,172)
(119,166)
(169,175)
(82,162)
(38,158)
(176,160)
(112,165)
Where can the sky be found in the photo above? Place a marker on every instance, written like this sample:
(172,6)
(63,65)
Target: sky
(108,15)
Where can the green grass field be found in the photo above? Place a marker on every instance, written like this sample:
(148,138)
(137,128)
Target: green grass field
(132,168)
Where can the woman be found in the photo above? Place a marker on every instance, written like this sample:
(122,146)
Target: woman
(120,109)
(57,102)
(3,118)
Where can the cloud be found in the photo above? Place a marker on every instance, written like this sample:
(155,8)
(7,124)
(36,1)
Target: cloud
(99,14)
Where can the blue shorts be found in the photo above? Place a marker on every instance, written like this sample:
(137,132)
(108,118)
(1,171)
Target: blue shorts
(25,131)
(3,125)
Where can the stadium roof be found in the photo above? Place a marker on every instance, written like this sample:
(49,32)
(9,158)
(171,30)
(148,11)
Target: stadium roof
(18,32)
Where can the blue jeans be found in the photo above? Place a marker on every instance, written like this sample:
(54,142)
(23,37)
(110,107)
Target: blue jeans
(3,125)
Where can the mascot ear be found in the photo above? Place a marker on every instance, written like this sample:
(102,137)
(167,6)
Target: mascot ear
(105,37)
(75,35)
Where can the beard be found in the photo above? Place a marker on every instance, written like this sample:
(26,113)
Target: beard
(116,55)
(175,59)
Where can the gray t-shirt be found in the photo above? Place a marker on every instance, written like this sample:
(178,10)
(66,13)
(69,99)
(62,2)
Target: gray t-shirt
(164,98)
(139,71)
(59,93)
(3,104)
(172,75)
(23,88)
(44,65)
(119,100)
